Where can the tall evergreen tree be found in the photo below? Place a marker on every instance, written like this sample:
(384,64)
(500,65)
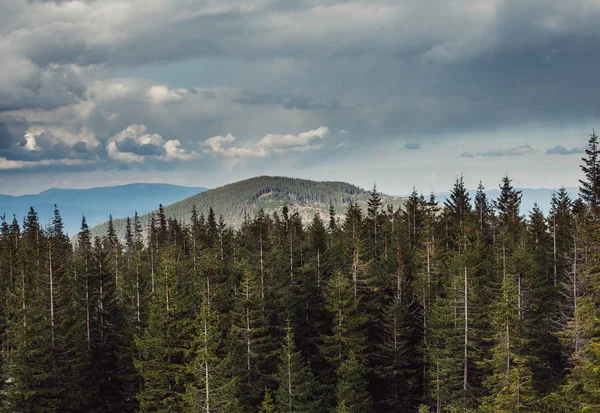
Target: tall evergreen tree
(213,388)
(352,392)
(589,186)
(348,333)
(163,345)
(296,387)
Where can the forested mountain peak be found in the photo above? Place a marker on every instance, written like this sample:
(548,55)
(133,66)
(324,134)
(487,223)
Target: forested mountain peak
(244,199)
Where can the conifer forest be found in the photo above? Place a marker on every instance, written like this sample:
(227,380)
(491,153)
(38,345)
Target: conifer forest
(455,305)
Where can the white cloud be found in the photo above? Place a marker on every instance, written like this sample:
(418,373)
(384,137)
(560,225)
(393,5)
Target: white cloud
(272,140)
(517,151)
(270,143)
(135,145)
(173,151)
(161,94)
(139,134)
(219,145)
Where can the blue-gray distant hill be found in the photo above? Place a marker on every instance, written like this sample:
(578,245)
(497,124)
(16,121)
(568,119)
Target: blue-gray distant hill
(95,203)
(245,198)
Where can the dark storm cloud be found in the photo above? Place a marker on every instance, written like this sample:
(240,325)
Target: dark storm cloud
(80,147)
(135,147)
(47,147)
(10,146)
(6,138)
(379,69)
(412,146)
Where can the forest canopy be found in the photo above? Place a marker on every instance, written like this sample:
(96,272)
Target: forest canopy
(458,305)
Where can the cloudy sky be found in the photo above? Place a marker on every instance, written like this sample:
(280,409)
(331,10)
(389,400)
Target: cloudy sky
(202,93)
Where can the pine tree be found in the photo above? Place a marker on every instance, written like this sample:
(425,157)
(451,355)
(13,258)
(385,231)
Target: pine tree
(268,404)
(348,329)
(318,235)
(482,207)
(583,330)
(397,364)
(510,381)
(589,187)
(544,302)
(77,369)
(373,223)
(110,344)
(459,209)
(6,280)
(249,340)
(508,206)
(352,392)
(213,388)
(31,367)
(162,347)
(296,387)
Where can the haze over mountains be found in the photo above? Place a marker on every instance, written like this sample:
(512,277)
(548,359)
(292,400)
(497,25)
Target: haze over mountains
(94,203)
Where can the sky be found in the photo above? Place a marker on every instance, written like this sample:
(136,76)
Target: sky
(202,93)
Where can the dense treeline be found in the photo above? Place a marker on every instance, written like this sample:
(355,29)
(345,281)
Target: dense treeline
(465,305)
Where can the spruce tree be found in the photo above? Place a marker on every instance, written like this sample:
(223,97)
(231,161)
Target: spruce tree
(31,367)
(589,186)
(352,391)
(249,340)
(268,404)
(509,380)
(212,388)
(163,345)
(348,333)
(397,355)
(296,387)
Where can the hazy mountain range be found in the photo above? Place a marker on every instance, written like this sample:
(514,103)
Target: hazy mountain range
(233,201)
(95,203)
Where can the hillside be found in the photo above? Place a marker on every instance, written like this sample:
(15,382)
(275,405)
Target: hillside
(246,198)
(95,203)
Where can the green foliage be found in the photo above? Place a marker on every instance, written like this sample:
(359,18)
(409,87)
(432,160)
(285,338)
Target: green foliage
(348,331)
(352,391)
(296,387)
(458,306)
(268,404)
(213,388)
(163,345)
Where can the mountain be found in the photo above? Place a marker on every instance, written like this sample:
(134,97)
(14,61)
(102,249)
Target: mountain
(246,198)
(95,203)
(541,196)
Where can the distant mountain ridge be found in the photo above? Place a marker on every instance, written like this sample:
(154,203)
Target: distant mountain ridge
(245,198)
(95,203)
